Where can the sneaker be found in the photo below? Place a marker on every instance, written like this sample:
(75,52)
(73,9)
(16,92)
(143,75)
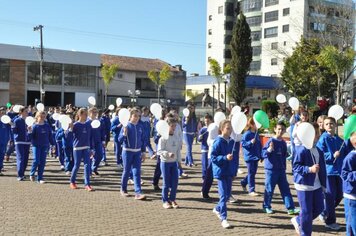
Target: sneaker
(225,224)
(156,187)
(175,205)
(216,213)
(103,163)
(253,194)
(294,211)
(333,226)
(295,224)
(7,158)
(244,188)
(41,182)
(73,186)
(167,205)
(184,176)
(142,182)
(289,158)
(131,181)
(20,178)
(62,167)
(32,178)
(205,196)
(140,197)
(96,174)
(268,210)
(124,193)
(240,172)
(89,188)
(232,199)
(68,172)
(322,218)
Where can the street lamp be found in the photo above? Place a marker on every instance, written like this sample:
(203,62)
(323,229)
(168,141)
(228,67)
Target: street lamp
(133,96)
(42,91)
(226,80)
(212,84)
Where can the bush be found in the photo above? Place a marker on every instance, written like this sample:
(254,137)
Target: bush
(271,107)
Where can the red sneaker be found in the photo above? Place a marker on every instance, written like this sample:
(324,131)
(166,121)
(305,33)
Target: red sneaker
(89,188)
(73,186)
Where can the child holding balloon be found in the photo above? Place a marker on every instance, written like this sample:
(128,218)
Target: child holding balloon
(202,138)
(41,137)
(5,135)
(221,157)
(331,145)
(252,147)
(309,176)
(189,125)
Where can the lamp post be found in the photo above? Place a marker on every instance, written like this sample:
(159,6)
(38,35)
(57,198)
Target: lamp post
(133,96)
(212,84)
(42,91)
(225,82)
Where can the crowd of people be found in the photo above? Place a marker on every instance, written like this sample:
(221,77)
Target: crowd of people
(323,175)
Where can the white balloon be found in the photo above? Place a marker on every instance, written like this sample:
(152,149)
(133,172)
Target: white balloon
(239,121)
(294,103)
(56,116)
(336,111)
(235,109)
(218,117)
(16,108)
(212,126)
(163,129)
(186,112)
(65,125)
(64,119)
(95,124)
(258,124)
(156,110)
(118,102)
(281,98)
(40,107)
(111,107)
(306,134)
(124,116)
(29,120)
(92,100)
(5,119)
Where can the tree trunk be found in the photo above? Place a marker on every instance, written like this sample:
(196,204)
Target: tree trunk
(106,96)
(158,92)
(218,106)
(338,90)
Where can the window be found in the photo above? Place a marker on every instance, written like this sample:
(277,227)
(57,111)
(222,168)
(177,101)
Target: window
(209,45)
(80,76)
(266,93)
(145,84)
(251,5)
(285,11)
(317,27)
(254,21)
(285,28)
(211,17)
(256,51)
(52,73)
(210,31)
(271,2)
(285,43)
(256,35)
(227,39)
(227,54)
(249,92)
(271,16)
(120,75)
(274,46)
(4,70)
(255,65)
(274,61)
(229,25)
(271,32)
(220,9)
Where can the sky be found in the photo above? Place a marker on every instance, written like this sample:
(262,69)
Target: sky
(173,31)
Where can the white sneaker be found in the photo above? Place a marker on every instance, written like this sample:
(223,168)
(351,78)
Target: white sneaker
(333,226)
(131,181)
(295,224)
(32,178)
(216,213)
(232,199)
(42,182)
(253,194)
(225,224)
(239,171)
(322,218)
(62,167)
(68,173)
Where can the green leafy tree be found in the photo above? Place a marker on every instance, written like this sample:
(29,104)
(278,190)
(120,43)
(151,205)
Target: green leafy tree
(159,78)
(215,69)
(303,75)
(241,51)
(108,72)
(339,62)
(191,95)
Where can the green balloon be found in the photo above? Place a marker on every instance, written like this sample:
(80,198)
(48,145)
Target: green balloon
(262,118)
(350,126)
(8,105)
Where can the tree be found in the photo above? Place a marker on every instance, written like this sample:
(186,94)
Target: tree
(241,51)
(218,74)
(159,78)
(191,95)
(303,76)
(108,72)
(339,63)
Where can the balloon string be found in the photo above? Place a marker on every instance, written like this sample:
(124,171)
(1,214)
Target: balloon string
(343,143)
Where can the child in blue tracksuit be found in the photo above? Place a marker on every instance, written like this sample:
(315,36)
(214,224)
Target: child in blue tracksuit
(252,148)
(309,176)
(5,135)
(116,127)
(22,143)
(202,138)
(82,149)
(189,125)
(106,121)
(146,123)
(97,140)
(348,175)
(67,145)
(274,154)
(221,157)
(41,137)
(134,147)
(330,144)
(59,148)
(11,147)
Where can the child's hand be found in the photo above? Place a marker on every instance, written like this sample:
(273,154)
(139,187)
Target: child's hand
(314,169)
(253,141)
(143,157)
(229,157)
(125,131)
(271,145)
(336,154)
(29,129)
(171,155)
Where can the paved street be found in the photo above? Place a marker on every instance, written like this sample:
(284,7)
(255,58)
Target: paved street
(28,208)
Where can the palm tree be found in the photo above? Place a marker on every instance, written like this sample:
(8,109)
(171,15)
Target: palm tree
(160,78)
(108,72)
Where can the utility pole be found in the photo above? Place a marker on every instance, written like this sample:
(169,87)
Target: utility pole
(42,91)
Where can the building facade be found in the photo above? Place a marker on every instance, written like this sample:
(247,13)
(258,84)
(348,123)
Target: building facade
(71,77)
